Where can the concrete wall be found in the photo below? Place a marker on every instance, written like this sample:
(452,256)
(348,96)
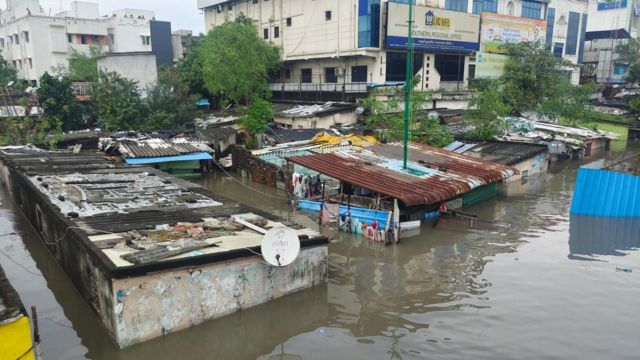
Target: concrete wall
(538,164)
(138,67)
(168,301)
(317,122)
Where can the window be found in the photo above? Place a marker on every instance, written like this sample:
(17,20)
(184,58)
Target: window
(69,38)
(17,39)
(531,9)
(369,23)
(230,7)
(551,18)
(572,33)
(146,40)
(30,63)
(480,6)
(255,1)
(2,43)
(265,34)
(511,8)
(288,21)
(83,39)
(306,76)
(330,75)
(557,49)
(20,64)
(111,39)
(359,73)
(287,74)
(276,32)
(456,5)
(327,15)
(26,36)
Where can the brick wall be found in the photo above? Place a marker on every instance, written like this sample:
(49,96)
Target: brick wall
(261,172)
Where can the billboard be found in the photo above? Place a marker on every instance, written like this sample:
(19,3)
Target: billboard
(500,30)
(611,4)
(434,30)
(490,65)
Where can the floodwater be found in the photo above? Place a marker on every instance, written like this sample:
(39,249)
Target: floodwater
(544,285)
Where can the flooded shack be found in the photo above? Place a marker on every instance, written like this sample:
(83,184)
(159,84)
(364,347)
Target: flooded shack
(373,178)
(152,253)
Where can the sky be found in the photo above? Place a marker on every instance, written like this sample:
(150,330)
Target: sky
(183,14)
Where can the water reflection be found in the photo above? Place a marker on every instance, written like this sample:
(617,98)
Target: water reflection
(590,235)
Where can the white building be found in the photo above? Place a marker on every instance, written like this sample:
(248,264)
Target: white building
(34,42)
(610,24)
(138,66)
(341,45)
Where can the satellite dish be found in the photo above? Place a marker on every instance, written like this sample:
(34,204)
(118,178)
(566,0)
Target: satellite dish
(360,110)
(280,246)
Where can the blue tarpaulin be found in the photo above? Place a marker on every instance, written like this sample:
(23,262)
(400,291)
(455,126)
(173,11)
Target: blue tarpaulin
(203,102)
(163,159)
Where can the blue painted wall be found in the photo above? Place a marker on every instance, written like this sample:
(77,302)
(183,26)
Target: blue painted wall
(606,193)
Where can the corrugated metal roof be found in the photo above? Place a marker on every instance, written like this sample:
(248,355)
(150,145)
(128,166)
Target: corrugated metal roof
(158,148)
(434,174)
(508,153)
(606,193)
(165,159)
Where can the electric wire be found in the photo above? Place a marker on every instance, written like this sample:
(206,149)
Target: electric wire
(247,186)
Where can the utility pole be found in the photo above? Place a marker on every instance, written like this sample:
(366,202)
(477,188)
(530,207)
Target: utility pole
(408,84)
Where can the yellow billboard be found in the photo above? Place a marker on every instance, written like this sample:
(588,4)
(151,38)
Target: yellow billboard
(500,30)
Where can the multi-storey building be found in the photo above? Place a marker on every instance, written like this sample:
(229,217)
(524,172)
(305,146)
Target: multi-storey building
(343,45)
(611,23)
(34,42)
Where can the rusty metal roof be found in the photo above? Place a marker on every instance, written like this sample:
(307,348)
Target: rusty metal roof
(434,174)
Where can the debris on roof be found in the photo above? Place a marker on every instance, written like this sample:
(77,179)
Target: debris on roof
(434,174)
(297,111)
(145,146)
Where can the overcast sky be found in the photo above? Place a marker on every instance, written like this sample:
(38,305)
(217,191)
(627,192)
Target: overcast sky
(183,14)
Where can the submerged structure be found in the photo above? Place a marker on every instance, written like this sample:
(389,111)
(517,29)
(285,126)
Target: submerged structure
(528,159)
(374,178)
(609,191)
(151,253)
(179,156)
(15,326)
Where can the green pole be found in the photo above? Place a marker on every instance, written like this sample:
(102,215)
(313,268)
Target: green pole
(408,83)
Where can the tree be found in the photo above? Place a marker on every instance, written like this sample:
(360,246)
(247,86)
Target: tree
(487,111)
(190,70)
(531,76)
(27,126)
(116,103)
(389,117)
(7,73)
(59,102)
(169,103)
(84,67)
(236,61)
(259,115)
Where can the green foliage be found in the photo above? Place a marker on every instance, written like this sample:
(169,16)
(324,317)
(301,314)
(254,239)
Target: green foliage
(235,62)
(169,103)
(7,73)
(26,129)
(531,76)
(84,67)
(389,117)
(568,101)
(116,103)
(629,52)
(487,112)
(190,69)
(59,102)
(259,115)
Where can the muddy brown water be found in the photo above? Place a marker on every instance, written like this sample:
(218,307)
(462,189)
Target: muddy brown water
(537,287)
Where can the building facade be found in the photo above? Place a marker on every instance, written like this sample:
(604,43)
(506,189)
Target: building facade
(34,43)
(345,45)
(611,24)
